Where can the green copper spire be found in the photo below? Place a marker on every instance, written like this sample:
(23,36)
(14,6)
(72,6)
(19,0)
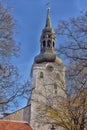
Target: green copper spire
(48,20)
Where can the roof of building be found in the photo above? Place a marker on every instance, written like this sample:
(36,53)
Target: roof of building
(11,125)
(7,114)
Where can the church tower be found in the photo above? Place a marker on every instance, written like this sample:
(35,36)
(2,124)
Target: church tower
(46,74)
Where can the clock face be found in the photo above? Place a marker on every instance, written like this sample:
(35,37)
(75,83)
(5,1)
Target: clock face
(49,67)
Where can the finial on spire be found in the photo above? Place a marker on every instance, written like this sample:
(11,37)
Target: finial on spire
(48,4)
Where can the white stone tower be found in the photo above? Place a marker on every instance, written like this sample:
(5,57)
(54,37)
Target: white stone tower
(47,74)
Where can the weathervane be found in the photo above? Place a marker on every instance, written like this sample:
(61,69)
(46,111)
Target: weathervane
(48,4)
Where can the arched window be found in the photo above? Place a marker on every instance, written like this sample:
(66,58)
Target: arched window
(49,36)
(44,43)
(48,43)
(58,76)
(41,74)
(55,86)
(53,44)
(43,36)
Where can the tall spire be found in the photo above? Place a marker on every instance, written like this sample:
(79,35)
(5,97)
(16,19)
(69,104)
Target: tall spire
(48,41)
(48,20)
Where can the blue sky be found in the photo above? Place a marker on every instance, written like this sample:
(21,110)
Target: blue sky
(31,17)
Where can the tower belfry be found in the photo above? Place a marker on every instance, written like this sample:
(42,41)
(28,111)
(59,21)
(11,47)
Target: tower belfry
(47,43)
(46,74)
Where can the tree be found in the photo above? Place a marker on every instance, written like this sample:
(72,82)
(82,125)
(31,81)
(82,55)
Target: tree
(70,112)
(74,49)
(74,46)
(8,46)
(11,86)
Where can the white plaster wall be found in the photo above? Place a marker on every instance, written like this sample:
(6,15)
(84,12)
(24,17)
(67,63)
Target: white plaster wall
(45,85)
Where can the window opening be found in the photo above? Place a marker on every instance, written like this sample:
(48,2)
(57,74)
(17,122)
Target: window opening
(44,43)
(41,74)
(58,76)
(55,86)
(49,43)
(53,44)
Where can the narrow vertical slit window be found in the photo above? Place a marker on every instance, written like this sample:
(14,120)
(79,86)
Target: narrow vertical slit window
(44,43)
(53,44)
(48,43)
(55,88)
(41,74)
